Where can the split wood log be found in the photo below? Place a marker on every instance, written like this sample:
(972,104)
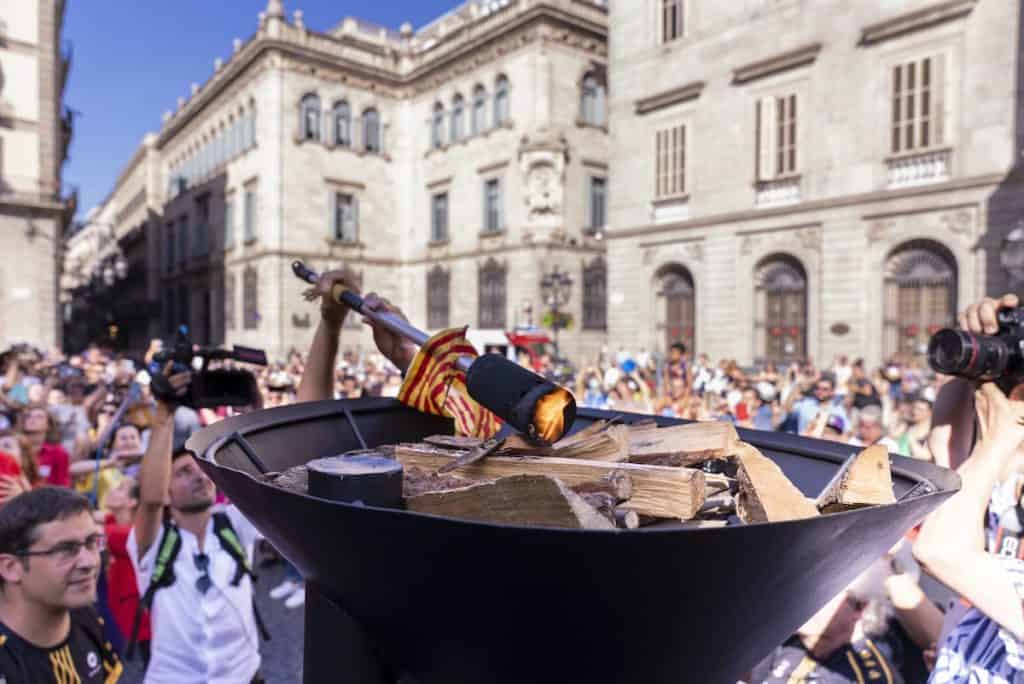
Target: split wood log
(617,483)
(626,519)
(765,493)
(453,441)
(599,441)
(657,491)
(517,500)
(864,480)
(684,444)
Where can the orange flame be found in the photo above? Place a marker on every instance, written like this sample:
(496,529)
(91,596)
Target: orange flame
(549,415)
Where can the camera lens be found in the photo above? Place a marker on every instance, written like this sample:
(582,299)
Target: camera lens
(956,352)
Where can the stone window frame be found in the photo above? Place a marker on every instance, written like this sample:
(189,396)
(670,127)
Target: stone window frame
(497,181)
(439,235)
(457,129)
(776,275)
(437,126)
(250,211)
(502,114)
(478,110)
(230,295)
(681,30)
(592,226)
(250,297)
(230,218)
(593,88)
(341,111)
(372,130)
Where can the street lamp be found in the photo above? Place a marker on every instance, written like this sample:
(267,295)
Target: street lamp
(1011,257)
(555,289)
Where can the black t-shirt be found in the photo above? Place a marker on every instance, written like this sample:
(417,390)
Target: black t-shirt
(83,657)
(890,659)
(864,400)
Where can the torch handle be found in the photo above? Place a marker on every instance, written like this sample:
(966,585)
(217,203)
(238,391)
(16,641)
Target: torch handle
(343,295)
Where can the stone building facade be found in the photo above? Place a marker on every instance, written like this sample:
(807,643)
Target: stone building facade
(797,178)
(451,167)
(35,131)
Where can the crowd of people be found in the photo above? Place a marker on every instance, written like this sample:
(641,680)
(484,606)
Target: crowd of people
(97,439)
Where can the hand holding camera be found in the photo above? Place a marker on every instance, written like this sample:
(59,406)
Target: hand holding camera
(988,346)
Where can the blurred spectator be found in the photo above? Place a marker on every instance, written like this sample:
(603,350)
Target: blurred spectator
(913,441)
(871,430)
(821,397)
(40,430)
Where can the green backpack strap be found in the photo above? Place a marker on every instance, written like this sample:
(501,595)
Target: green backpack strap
(233,545)
(163,576)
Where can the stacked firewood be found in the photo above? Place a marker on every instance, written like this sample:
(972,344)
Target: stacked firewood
(612,475)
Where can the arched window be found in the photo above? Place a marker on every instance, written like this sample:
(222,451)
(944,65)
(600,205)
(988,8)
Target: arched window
(492,295)
(371,130)
(780,324)
(593,100)
(342,124)
(310,117)
(595,299)
(501,101)
(240,123)
(457,123)
(437,126)
(677,292)
(919,299)
(479,123)
(438,280)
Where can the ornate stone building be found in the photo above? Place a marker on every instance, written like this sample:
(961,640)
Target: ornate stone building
(809,178)
(451,167)
(35,131)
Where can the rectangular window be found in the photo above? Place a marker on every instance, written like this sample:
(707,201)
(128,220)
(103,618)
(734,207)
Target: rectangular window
(229,301)
(202,225)
(596,205)
(918,102)
(250,214)
(344,217)
(229,222)
(183,238)
(776,119)
(492,206)
(439,217)
(671,20)
(670,155)
(169,256)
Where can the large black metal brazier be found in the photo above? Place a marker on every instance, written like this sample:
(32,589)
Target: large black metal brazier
(394,595)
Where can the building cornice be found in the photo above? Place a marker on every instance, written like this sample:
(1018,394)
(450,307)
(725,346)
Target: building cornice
(915,21)
(493,41)
(734,217)
(690,91)
(791,59)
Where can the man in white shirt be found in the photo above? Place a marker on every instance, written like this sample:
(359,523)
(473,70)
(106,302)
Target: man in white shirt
(871,430)
(204,628)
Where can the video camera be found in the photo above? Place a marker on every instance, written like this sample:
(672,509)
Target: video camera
(209,388)
(998,358)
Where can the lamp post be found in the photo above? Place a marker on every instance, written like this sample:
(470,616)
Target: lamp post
(1011,256)
(555,290)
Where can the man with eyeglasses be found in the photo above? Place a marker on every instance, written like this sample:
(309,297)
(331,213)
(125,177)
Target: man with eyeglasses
(50,550)
(822,397)
(203,626)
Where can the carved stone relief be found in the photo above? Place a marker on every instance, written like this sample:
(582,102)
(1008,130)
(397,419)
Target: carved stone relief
(542,158)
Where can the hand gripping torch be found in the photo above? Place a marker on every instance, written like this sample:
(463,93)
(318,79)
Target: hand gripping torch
(532,405)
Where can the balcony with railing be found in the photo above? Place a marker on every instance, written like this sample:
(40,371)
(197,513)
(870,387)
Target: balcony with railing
(919,168)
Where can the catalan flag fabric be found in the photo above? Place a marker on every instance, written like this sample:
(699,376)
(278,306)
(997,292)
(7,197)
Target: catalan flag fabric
(435,385)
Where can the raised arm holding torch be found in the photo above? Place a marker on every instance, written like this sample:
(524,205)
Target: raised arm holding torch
(532,405)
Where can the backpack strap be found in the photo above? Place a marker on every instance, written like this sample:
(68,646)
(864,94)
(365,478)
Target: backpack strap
(233,545)
(163,576)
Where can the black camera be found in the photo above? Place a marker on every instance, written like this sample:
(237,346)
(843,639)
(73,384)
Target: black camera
(209,388)
(998,358)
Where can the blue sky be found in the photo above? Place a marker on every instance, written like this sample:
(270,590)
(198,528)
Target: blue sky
(132,59)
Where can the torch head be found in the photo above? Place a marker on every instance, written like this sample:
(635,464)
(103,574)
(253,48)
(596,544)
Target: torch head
(532,405)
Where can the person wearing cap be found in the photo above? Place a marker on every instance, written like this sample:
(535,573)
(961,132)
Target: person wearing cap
(202,621)
(822,397)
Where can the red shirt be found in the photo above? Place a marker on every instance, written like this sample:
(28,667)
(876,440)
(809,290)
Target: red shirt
(122,589)
(53,465)
(9,465)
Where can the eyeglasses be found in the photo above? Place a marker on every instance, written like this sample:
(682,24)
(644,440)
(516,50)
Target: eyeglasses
(822,388)
(67,552)
(204,582)
(108,412)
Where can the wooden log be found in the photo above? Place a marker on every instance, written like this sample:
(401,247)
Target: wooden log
(617,483)
(765,493)
(685,444)
(657,491)
(599,441)
(864,480)
(453,441)
(626,519)
(418,481)
(517,500)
